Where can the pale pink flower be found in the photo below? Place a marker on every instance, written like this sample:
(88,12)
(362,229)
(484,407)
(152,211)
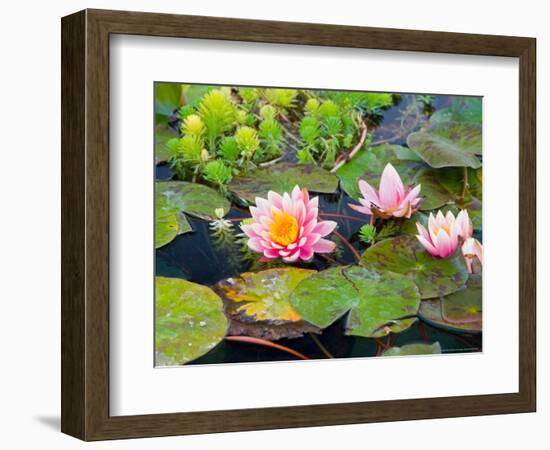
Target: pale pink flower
(471,248)
(392,199)
(286,226)
(441,239)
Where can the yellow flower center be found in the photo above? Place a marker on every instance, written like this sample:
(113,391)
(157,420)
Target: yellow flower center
(284,229)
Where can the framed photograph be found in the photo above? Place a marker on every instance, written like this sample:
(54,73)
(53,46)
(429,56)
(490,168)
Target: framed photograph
(270,224)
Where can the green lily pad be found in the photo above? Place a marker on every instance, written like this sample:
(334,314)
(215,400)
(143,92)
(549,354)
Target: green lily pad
(282,178)
(163,135)
(168,97)
(461,109)
(379,303)
(460,311)
(451,145)
(405,255)
(189,321)
(192,198)
(169,222)
(169,226)
(258,303)
(414,349)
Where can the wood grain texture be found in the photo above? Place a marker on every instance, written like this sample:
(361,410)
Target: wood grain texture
(85,224)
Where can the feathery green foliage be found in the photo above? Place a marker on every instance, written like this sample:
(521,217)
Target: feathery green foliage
(193,125)
(367,233)
(282,98)
(271,135)
(247,141)
(218,114)
(229,149)
(217,172)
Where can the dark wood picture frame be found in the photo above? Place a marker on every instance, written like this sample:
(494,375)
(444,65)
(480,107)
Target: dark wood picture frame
(85,224)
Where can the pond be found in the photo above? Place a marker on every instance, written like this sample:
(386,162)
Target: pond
(209,257)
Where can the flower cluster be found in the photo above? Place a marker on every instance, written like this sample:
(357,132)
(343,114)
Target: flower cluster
(444,234)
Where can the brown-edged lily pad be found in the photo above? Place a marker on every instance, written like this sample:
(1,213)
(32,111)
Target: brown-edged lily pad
(434,277)
(282,178)
(259,303)
(192,198)
(379,303)
(460,311)
(414,349)
(169,222)
(189,321)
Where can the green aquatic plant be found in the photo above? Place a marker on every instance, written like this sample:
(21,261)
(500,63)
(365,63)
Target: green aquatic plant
(248,142)
(218,114)
(193,125)
(217,173)
(312,106)
(249,95)
(271,135)
(367,233)
(284,99)
(229,150)
(268,112)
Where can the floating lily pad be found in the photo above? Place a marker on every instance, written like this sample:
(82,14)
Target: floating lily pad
(404,254)
(461,109)
(168,98)
(414,349)
(260,302)
(379,303)
(460,311)
(189,321)
(169,222)
(455,146)
(163,135)
(282,178)
(192,198)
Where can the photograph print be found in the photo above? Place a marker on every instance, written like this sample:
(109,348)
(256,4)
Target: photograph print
(305,224)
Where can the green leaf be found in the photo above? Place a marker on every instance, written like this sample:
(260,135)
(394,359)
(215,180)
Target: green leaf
(282,178)
(189,321)
(258,303)
(414,349)
(452,144)
(379,303)
(404,254)
(168,97)
(460,311)
(168,226)
(461,109)
(192,198)
(163,135)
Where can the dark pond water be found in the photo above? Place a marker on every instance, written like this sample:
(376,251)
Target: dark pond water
(201,258)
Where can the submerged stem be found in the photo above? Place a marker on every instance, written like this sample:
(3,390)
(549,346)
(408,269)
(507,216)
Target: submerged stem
(321,346)
(465,185)
(342,216)
(258,341)
(348,245)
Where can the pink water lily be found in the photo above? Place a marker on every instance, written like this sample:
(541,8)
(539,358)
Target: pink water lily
(392,199)
(471,248)
(441,238)
(287,226)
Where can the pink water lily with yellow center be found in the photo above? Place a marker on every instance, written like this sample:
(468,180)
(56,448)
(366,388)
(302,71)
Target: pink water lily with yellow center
(471,248)
(287,226)
(392,199)
(441,238)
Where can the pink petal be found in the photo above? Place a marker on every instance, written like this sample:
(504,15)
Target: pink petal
(287,203)
(404,211)
(422,231)
(325,227)
(247,229)
(464,224)
(270,253)
(296,193)
(391,190)
(306,253)
(361,209)
(368,193)
(255,245)
(324,246)
(428,245)
(311,239)
(443,244)
(412,196)
(312,213)
(275,199)
(478,250)
(293,257)
(264,206)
